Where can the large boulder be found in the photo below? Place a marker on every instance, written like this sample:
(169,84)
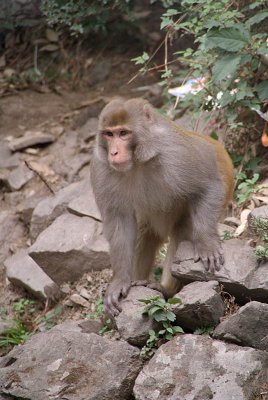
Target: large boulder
(69,364)
(69,247)
(241,275)
(201,305)
(192,367)
(247,327)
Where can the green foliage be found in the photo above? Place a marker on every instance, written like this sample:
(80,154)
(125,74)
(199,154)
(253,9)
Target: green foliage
(246,188)
(230,42)
(50,319)
(84,16)
(227,235)
(160,311)
(24,305)
(260,226)
(99,309)
(206,330)
(17,334)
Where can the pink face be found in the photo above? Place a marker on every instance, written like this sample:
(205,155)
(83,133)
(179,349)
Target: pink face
(118,141)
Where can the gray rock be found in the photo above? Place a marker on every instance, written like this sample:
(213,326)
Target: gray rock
(24,272)
(240,274)
(69,247)
(88,131)
(19,177)
(30,140)
(27,206)
(12,233)
(192,367)
(70,364)
(202,305)
(247,327)
(7,159)
(131,324)
(85,205)
(53,206)
(258,213)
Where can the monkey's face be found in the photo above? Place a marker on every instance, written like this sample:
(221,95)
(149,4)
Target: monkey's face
(118,142)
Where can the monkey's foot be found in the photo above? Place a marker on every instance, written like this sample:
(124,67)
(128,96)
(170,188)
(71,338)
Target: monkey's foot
(212,260)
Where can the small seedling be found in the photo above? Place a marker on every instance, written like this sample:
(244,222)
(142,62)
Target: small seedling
(160,311)
(260,226)
(16,334)
(98,314)
(24,305)
(227,235)
(206,330)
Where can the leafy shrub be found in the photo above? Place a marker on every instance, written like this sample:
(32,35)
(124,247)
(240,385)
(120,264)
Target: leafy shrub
(230,52)
(83,16)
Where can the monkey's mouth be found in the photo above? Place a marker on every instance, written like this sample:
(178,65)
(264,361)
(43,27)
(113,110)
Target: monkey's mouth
(122,166)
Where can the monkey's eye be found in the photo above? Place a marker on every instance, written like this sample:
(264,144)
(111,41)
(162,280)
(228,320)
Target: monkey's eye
(123,134)
(107,133)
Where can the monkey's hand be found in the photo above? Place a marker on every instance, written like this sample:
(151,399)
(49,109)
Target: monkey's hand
(116,290)
(212,259)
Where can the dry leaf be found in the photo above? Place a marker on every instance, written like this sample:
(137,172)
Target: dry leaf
(264,137)
(2,61)
(244,222)
(51,35)
(50,47)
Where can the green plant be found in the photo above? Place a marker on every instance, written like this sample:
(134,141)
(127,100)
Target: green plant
(206,330)
(260,226)
(24,305)
(246,188)
(160,311)
(99,309)
(16,334)
(227,235)
(84,16)
(229,54)
(50,319)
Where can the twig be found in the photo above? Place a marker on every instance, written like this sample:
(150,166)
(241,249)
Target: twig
(39,176)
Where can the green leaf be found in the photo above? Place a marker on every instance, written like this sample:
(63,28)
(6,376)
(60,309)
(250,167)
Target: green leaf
(170,316)
(170,330)
(174,300)
(153,310)
(225,66)
(226,99)
(178,329)
(160,316)
(230,39)
(262,90)
(260,16)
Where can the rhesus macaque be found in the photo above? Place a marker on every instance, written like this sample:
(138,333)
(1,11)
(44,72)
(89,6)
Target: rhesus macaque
(153,181)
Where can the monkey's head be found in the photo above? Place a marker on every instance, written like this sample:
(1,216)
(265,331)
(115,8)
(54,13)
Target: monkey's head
(125,133)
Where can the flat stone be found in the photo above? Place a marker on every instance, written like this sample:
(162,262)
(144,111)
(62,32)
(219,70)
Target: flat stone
(19,177)
(192,367)
(202,305)
(24,272)
(69,247)
(247,327)
(7,159)
(53,206)
(70,364)
(88,131)
(241,275)
(30,140)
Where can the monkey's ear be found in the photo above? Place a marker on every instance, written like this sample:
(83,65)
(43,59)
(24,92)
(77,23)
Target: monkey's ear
(148,112)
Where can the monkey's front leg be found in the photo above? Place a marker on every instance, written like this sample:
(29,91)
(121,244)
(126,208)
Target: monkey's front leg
(121,232)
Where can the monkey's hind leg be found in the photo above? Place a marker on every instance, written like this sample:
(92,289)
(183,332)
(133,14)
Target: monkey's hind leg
(170,284)
(147,245)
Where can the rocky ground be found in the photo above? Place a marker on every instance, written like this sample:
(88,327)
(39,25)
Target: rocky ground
(52,250)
